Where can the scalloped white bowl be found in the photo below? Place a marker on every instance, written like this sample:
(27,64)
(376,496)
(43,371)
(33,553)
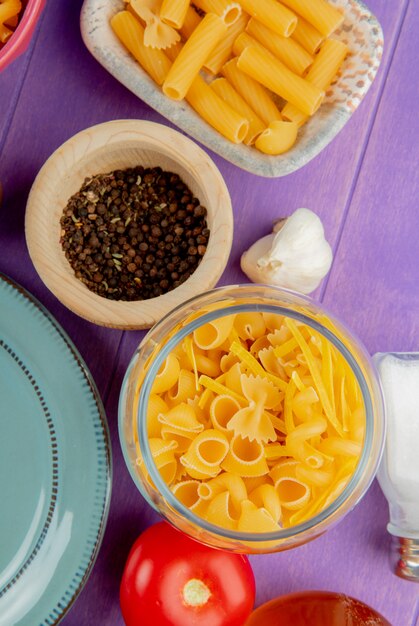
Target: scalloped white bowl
(360,31)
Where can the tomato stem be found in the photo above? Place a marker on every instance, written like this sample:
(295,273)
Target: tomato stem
(195,593)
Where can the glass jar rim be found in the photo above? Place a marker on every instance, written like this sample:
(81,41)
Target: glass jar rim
(162,487)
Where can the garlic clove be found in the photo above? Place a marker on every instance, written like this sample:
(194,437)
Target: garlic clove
(249,259)
(295,256)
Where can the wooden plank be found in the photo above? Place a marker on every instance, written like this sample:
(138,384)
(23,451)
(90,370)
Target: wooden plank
(374,285)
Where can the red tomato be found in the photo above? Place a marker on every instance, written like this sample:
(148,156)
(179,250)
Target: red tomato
(170,579)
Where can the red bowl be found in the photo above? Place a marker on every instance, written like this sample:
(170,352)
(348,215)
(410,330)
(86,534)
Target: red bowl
(20,39)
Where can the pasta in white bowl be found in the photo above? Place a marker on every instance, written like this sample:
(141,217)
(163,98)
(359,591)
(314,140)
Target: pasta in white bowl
(295,42)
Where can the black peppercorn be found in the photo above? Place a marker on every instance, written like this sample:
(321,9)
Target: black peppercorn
(129,219)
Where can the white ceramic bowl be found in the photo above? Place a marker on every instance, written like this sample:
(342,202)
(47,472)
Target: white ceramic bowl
(103,148)
(360,30)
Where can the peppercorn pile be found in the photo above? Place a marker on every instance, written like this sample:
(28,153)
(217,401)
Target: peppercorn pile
(134,234)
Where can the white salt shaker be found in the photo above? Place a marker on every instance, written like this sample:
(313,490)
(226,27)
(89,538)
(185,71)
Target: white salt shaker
(398,473)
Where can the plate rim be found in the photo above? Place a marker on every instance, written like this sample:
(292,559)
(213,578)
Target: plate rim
(60,609)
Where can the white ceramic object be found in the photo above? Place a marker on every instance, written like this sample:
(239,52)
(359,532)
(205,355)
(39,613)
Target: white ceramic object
(360,30)
(103,148)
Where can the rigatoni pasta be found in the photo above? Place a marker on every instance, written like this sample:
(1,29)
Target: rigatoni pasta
(256,96)
(307,36)
(274,78)
(222,51)
(322,15)
(216,112)
(173,12)
(250,450)
(324,69)
(294,56)
(193,55)
(274,75)
(272,14)
(228,10)
(222,87)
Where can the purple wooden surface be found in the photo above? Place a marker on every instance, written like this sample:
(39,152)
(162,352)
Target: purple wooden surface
(363,186)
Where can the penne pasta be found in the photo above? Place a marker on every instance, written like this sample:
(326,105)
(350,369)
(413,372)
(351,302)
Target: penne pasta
(222,88)
(190,59)
(131,34)
(286,49)
(321,14)
(274,75)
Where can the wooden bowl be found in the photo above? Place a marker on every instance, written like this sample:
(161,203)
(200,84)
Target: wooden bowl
(103,148)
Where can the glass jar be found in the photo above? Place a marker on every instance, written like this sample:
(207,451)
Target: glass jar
(166,335)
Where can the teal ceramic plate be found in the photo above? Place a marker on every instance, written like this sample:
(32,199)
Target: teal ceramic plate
(55,465)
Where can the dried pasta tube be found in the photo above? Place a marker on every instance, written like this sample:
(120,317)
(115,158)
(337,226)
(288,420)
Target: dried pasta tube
(194,53)
(256,96)
(173,12)
(243,41)
(216,112)
(222,87)
(8,9)
(191,21)
(327,63)
(228,10)
(294,56)
(293,114)
(307,36)
(223,50)
(273,14)
(321,14)
(274,75)
(279,137)
(131,34)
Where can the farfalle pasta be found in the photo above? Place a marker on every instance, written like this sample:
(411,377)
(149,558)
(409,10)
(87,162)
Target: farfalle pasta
(255,421)
(255,70)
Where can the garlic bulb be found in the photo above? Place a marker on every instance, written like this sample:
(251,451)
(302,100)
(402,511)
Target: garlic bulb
(295,255)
